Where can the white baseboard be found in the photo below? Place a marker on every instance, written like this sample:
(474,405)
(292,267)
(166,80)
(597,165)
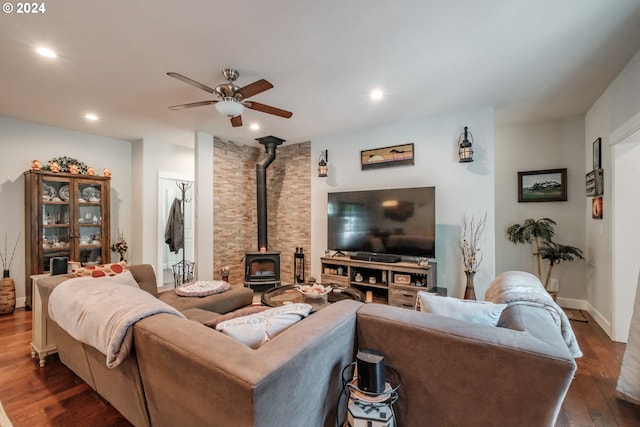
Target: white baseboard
(602,321)
(20,302)
(580,304)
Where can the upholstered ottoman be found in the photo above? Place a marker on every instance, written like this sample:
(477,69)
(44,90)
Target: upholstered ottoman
(237,296)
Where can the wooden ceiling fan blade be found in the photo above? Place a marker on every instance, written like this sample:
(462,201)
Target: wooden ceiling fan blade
(191,105)
(236,121)
(190,81)
(254,88)
(268,109)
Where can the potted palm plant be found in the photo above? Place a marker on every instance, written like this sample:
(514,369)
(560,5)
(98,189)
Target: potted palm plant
(532,231)
(555,253)
(540,233)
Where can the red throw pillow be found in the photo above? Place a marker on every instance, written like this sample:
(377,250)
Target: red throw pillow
(101,270)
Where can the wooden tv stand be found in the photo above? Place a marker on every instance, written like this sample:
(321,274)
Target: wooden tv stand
(398,282)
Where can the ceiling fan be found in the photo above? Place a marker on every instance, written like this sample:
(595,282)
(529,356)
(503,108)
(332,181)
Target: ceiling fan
(232,98)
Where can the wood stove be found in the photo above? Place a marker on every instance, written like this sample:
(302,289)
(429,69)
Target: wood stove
(262,267)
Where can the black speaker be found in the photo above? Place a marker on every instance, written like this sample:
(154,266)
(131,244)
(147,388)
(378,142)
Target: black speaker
(370,364)
(58,265)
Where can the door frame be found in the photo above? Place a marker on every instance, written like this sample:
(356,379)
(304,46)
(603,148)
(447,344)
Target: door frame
(161,224)
(623,289)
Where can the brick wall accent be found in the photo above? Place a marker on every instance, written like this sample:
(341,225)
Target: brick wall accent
(234,204)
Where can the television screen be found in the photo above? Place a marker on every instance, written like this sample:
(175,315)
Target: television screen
(394,221)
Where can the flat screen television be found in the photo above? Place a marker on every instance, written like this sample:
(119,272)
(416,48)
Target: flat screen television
(394,221)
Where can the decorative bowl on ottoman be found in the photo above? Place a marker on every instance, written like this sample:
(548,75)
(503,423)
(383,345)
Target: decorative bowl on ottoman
(315,291)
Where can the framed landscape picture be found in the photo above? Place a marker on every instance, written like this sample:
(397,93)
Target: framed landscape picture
(542,186)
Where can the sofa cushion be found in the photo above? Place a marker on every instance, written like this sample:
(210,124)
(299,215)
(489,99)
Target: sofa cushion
(202,288)
(481,312)
(241,312)
(124,278)
(256,329)
(101,270)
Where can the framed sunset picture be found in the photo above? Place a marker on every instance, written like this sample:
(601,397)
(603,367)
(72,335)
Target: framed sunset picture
(397,155)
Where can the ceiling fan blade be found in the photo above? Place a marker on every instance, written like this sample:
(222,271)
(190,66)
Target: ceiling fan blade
(191,82)
(254,88)
(268,109)
(193,104)
(236,121)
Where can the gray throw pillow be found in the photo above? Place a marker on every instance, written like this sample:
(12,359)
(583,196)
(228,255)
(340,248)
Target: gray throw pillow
(482,312)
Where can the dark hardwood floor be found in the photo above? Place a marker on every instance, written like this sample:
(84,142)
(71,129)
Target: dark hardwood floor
(54,396)
(49,396)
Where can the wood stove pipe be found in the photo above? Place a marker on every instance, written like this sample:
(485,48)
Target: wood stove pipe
(270,144)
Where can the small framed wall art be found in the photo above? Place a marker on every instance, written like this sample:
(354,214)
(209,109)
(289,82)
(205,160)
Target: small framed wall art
(597,158)
(548,185)
(595,182)
(596,208)
(397,155)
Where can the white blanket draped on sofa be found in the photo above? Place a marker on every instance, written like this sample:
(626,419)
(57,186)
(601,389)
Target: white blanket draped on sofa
(100,313)
(519,287)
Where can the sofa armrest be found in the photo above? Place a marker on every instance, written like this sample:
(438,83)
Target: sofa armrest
(46,285)
(294,379)
(458,373)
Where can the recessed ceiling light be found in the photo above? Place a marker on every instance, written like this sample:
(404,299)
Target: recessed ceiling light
(46,52)
(376,95)
(90,116)
(254,126)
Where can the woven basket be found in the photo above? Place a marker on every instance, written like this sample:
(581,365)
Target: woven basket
(7,295)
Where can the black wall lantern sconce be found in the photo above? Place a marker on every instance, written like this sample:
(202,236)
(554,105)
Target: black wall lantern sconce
(322,164)
(465,150)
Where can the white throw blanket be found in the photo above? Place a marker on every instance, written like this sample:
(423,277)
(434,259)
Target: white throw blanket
(100,313)
(519,287)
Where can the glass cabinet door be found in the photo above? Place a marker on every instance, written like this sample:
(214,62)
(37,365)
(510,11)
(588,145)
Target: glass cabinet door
(56,221)
(90,221)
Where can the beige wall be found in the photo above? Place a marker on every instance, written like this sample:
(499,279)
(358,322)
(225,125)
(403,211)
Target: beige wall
(461,188)
(234,204)
(537,146)
(619,104)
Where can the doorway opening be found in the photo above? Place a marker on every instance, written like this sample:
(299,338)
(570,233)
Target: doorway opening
(170,189)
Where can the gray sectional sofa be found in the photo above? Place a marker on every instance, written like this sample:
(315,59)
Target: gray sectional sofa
(453,373)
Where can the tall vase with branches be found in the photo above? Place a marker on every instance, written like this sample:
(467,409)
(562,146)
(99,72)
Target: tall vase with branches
(4,256)
(7,286)
(472,230)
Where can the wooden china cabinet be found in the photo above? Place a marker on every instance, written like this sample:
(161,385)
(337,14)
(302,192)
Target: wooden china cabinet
(66,215)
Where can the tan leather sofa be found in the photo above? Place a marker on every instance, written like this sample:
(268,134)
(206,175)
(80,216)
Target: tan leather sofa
(122,386)
(453,373)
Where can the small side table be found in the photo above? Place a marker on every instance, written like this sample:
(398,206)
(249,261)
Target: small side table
(42,343)
(370,409)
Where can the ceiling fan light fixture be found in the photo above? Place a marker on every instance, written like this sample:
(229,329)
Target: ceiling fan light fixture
(376,95)
(46,52)
(230,108)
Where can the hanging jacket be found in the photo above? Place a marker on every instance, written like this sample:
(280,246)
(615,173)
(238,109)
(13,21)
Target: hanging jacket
(174,231)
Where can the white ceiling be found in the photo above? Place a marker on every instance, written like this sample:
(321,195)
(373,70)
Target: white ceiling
(532,60)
